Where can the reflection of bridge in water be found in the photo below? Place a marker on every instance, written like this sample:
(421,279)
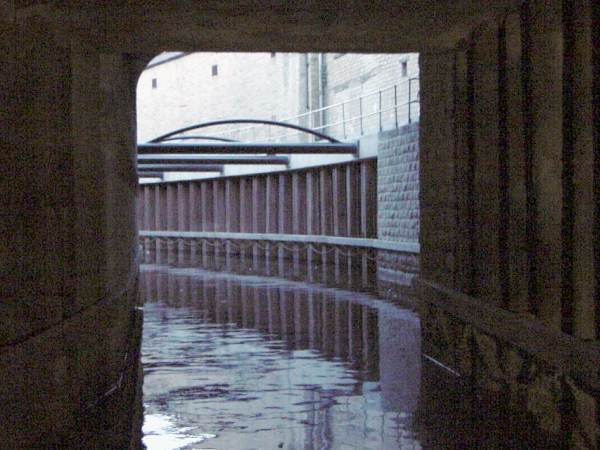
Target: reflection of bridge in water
(249,350)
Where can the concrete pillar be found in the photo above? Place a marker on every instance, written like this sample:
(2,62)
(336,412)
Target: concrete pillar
(511,95)
(544,144)
(580,307)
(437,174)
(69,227)
(486,163)
(463,176)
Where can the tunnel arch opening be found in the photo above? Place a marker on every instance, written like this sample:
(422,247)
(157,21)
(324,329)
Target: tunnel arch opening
(319,215)
(327,196)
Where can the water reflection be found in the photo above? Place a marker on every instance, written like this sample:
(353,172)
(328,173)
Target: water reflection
(235,360)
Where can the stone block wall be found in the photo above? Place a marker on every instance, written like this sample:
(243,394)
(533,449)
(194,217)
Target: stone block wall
(564,413)
(69,330)
(398,209)
(398,184)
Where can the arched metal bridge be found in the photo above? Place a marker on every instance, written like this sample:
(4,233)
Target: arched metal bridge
(179,151)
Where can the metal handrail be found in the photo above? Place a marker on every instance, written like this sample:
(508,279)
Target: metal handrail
(413,98)
(351,119)
(334,105)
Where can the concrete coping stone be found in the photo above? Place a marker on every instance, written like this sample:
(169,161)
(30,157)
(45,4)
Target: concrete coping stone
(377,244)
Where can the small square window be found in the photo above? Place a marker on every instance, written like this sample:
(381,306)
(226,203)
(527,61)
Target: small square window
(215,70)
(404,68)
(154,83)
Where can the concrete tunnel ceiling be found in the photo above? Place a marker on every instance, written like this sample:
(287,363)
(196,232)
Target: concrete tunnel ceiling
(376,26)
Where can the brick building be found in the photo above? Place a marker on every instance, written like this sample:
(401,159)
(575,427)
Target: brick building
(351,95)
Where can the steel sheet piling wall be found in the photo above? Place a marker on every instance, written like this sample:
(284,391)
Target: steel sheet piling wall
(334,200)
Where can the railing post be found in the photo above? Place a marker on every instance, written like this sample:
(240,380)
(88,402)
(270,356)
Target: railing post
(360,114)
(409,98)
(380,113)
(396,104)
(344,119)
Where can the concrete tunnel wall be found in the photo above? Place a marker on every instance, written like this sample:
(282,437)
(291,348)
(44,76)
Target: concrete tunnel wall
(69,330)
(509,231)
(508,176)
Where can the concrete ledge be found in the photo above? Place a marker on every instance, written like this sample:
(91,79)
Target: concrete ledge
(377,244)
(572,356)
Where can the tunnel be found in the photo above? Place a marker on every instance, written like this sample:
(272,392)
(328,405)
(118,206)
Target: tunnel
(507,284)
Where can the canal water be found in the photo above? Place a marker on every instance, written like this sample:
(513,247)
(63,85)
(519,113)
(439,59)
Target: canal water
(238,357)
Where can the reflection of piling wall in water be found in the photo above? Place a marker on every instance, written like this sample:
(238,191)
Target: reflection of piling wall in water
(345,326)
(327,320)
(400,353)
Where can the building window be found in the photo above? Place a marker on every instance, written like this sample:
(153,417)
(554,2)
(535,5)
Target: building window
(154,83)
(215,70)
(404,68)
